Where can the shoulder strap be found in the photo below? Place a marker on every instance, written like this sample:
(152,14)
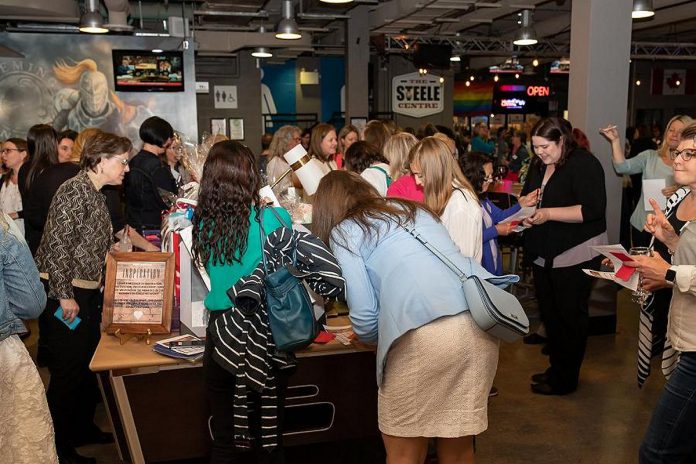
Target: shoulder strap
(262,232)
(389,179)
(411,230)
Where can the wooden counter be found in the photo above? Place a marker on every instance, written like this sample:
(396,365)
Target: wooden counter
(332,396)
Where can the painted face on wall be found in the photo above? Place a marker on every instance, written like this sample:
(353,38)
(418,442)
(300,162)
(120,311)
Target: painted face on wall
(94,92)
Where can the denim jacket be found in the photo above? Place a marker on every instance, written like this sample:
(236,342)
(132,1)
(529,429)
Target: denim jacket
(21,294)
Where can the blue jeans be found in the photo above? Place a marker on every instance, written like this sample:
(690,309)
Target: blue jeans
(671,436)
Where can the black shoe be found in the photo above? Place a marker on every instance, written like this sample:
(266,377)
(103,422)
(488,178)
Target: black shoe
(541,377)
(546,389)
(493,392)
(71,457)
(534,339)
(95,437)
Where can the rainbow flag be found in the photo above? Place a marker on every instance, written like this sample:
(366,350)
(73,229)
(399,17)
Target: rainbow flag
(477,98)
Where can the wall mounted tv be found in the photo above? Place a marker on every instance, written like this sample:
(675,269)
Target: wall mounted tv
(146,71)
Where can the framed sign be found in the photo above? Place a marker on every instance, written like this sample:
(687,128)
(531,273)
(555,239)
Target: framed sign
(218,126)
(138,293)
(236,129)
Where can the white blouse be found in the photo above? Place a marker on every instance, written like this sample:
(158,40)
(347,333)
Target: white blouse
(377,178)
(11,201)
(463,219)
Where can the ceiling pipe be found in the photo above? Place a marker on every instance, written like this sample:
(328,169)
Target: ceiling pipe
(118,15)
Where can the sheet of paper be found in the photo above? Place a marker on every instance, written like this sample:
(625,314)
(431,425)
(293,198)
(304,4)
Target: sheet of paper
(521,215)
(652,188)
(623,275)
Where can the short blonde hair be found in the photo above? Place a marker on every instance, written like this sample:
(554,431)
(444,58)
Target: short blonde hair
(396,150)
(440,171)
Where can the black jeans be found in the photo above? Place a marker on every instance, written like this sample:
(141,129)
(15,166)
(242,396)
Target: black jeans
(73,391)
(220,386)
(563,294)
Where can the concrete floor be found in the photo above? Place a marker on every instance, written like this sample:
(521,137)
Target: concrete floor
(603,422)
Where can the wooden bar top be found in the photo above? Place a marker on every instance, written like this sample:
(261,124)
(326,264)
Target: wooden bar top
(135,353)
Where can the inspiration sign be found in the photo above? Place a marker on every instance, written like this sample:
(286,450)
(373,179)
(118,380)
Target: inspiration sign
(417,96)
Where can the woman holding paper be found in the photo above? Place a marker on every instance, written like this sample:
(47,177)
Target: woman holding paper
(655,166)
(569,219)
(478,168)
(671,435)
(285,139)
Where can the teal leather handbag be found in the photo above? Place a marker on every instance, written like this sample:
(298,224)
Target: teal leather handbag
(288,305)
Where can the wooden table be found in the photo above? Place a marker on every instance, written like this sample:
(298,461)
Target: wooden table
(157,405)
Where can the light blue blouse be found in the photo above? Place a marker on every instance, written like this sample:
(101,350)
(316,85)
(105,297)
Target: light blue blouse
(394,284)
(650,164)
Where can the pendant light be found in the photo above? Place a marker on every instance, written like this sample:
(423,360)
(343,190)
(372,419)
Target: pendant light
(526,35)
(261,52)
(287,27)
(92,21)
(642,9)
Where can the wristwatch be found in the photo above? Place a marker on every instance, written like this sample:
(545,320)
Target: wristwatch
(671,275)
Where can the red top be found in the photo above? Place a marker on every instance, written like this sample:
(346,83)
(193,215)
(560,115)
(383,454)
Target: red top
(406,187)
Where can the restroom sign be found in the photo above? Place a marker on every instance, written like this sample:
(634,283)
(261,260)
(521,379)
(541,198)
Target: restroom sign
(417,96)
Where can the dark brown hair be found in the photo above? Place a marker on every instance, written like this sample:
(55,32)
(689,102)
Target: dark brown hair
(318,133)
(361,155)
(344,195)
(472,164)
(689,132)
(102,145)
(557,130)
(229,190)
(42,146)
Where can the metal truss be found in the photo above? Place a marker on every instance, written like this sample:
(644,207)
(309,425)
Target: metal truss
(492,46)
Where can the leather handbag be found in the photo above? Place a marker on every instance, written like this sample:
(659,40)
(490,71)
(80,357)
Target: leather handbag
(288,305)
(494,310)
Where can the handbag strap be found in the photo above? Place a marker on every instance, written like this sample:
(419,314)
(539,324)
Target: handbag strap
(263,235)
(411,230)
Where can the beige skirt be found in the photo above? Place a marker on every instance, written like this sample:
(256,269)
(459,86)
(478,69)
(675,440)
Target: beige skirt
(437,379)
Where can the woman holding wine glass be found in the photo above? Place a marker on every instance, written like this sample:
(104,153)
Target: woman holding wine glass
(672,430)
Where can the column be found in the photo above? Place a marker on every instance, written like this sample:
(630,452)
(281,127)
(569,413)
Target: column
(357,59)
(600,44)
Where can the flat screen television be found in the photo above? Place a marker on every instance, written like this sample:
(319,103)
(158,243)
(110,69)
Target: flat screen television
(146,71)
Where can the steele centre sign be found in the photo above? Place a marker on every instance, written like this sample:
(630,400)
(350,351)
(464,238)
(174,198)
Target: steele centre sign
(417,96)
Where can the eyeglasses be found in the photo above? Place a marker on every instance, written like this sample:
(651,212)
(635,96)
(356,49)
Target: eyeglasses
(489,179)
(686,155)
(123,161)
(7,150)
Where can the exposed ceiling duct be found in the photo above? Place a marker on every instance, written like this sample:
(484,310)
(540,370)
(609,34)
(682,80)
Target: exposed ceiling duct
(118,15)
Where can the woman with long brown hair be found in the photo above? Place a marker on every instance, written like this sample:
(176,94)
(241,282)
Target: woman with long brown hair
(449,194)
(435,366)
(226,241)
(323,145)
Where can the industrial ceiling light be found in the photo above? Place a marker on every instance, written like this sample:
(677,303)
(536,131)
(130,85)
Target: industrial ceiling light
(642,9)
(92,21)
(261,52)
(526,35)
(455,58)
(287,27)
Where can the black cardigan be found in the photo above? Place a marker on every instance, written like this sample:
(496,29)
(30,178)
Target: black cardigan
(579,181)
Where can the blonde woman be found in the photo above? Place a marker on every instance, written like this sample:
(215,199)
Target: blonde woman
(449,194)
(347,136)
(285,139)
(397,150)
(651,164)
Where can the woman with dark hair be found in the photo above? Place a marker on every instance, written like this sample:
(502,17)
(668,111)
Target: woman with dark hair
(46,172)
(66,140)
(363,158)
(148,175)
(14,155)
(226,241)
(478,168)
(376,134)
(76,239)
(435,366)
(323,145)
(569,219)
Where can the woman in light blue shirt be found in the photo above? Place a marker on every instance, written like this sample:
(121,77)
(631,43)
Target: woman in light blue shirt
(435,367)
(652,164)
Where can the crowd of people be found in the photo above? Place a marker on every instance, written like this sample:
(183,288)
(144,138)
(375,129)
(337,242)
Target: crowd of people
(71,196)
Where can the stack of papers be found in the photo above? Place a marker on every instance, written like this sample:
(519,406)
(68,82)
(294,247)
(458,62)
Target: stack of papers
(189,353)
(623,275)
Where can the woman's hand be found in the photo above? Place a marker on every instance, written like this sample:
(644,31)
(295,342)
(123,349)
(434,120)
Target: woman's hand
(610,133)
(606,262)
(531,199)
(13,215)
(669,191)
(659,226)
(652,269)
(70,309)
(505,229)
(540,216)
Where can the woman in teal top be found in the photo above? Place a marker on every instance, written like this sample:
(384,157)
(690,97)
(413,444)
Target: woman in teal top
(226,238)
(652,164)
